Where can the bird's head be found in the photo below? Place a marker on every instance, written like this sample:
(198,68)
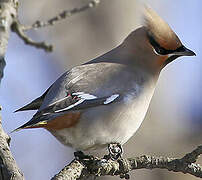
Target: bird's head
(156,43)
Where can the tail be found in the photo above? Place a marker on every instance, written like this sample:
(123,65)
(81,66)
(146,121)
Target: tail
(19,128)
(33,123)
(35,104)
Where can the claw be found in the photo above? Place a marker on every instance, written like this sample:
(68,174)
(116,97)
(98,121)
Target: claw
(115,151)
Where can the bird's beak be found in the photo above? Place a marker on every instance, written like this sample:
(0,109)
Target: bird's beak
(183,51)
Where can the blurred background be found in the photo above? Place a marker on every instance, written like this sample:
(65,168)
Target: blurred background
(173,123)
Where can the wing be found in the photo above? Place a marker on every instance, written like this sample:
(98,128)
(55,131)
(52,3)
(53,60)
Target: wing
(84,85)
(73,102)
(81,88)
(77,101)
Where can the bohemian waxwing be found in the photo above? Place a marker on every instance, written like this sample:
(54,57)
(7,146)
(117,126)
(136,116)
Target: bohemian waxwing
(105,100)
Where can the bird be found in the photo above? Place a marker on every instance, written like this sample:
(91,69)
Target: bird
(103,102)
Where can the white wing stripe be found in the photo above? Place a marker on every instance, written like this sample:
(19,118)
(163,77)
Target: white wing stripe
(83,96)
(71,106)
(111,98)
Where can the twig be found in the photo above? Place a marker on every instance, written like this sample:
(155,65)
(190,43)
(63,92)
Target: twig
(193,156)
(18,28)
(101,167)
(73,170)
(62,15)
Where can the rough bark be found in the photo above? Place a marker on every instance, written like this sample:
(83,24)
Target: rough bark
(8,10)
(83,168)
(8,166)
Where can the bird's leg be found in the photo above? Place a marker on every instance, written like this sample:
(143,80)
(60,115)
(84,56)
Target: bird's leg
(79,155)
(115,151)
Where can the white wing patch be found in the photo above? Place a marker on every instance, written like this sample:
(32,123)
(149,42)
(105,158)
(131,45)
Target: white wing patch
(71,106)
(111,98)
(83,96)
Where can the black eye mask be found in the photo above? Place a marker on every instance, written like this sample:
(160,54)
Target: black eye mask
(160,50)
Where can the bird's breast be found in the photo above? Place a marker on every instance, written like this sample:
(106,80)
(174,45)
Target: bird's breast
(132,112)
(116,122)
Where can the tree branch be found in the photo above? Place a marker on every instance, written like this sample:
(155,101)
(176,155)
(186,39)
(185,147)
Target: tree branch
(8,166)
(8,10)
(20,29)
(63,15)
(82,168)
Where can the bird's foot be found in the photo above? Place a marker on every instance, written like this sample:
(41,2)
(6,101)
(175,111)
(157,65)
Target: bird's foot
(79,155)
(115,151)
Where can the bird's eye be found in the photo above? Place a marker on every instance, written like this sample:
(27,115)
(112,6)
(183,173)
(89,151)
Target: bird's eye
(160,51)
(157,48)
